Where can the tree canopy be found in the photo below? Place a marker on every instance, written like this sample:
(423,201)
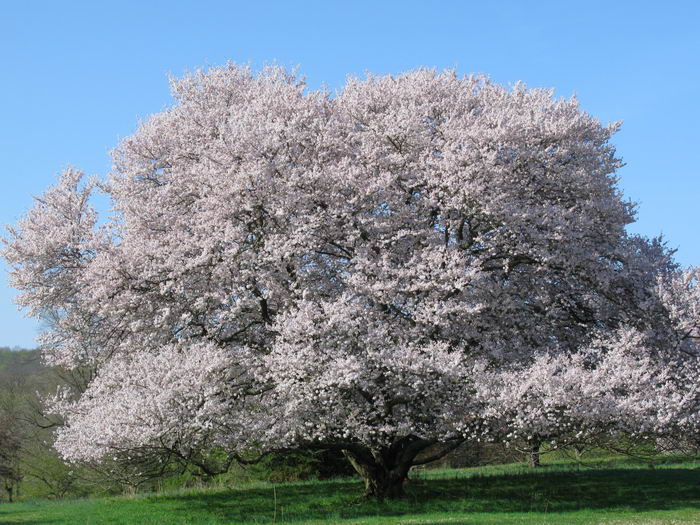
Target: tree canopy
(414,261)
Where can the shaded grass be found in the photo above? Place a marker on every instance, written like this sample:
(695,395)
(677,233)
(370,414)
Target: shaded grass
(612,491)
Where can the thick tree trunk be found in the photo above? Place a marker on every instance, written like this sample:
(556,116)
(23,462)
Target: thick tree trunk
(534,454)
(382,481)
(385,469)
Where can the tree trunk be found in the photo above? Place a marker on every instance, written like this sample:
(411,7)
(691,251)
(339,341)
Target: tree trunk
(383,480)
(385,469)
(534,454)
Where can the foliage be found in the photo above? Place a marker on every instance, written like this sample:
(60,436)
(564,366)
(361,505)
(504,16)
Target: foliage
(10,449)
(35,470)
(417,261)
(13,431)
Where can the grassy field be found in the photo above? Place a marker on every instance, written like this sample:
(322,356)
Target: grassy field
(611,491)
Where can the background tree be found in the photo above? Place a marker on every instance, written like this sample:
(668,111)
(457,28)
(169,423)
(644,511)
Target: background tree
(13,434)
(355,273)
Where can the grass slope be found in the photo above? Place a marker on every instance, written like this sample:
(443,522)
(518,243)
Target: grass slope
(614,492)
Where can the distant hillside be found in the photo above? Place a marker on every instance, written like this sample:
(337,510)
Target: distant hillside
(19,362)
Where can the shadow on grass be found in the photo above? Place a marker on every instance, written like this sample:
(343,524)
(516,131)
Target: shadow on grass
(537,491)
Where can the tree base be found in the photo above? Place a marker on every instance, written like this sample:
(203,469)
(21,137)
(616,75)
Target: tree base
(375,489)
(381,482)
(534,455)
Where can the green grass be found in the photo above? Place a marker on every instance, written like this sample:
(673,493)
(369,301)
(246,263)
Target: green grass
(606,491)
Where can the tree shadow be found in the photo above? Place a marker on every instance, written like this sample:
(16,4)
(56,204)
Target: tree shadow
(536,491)
(610,488)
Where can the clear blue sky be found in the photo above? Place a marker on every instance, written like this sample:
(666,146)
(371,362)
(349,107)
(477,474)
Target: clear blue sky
(77,76)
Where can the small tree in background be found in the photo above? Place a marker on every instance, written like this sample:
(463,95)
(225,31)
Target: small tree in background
(13,434)
(379,273)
